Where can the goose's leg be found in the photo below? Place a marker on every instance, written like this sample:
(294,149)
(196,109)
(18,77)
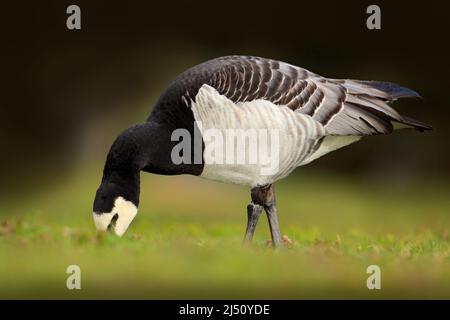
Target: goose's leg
(253,213)
(265,196)
(275,232)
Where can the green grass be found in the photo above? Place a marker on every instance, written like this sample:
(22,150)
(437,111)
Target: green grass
(186,242)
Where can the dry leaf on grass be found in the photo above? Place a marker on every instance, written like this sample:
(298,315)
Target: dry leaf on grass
(6,228)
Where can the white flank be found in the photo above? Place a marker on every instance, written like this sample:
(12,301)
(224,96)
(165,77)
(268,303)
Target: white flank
(297,134)
(125,210)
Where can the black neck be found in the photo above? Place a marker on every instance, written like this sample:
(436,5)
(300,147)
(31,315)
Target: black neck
(145,147)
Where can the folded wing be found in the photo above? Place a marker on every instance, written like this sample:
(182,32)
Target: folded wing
(343,107)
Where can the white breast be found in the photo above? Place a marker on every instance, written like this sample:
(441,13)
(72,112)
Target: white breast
(291,137)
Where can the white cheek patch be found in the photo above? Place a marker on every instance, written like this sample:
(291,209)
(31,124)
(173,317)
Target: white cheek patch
(125,210)
(102,220)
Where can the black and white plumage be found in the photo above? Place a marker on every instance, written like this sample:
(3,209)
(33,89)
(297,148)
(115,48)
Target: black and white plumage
(314,115)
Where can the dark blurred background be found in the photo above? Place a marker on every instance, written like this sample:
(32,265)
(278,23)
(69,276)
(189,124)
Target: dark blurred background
(65,95)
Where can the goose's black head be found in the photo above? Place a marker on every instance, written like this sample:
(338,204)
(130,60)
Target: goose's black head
(117,198)
(115,207)
(144,147)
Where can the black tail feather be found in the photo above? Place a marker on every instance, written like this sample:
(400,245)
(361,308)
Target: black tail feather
(416,124)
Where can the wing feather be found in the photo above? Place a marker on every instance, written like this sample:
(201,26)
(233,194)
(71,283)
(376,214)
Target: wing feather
(343,107)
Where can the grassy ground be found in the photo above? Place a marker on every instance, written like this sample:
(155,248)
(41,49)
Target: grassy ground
(186,242)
